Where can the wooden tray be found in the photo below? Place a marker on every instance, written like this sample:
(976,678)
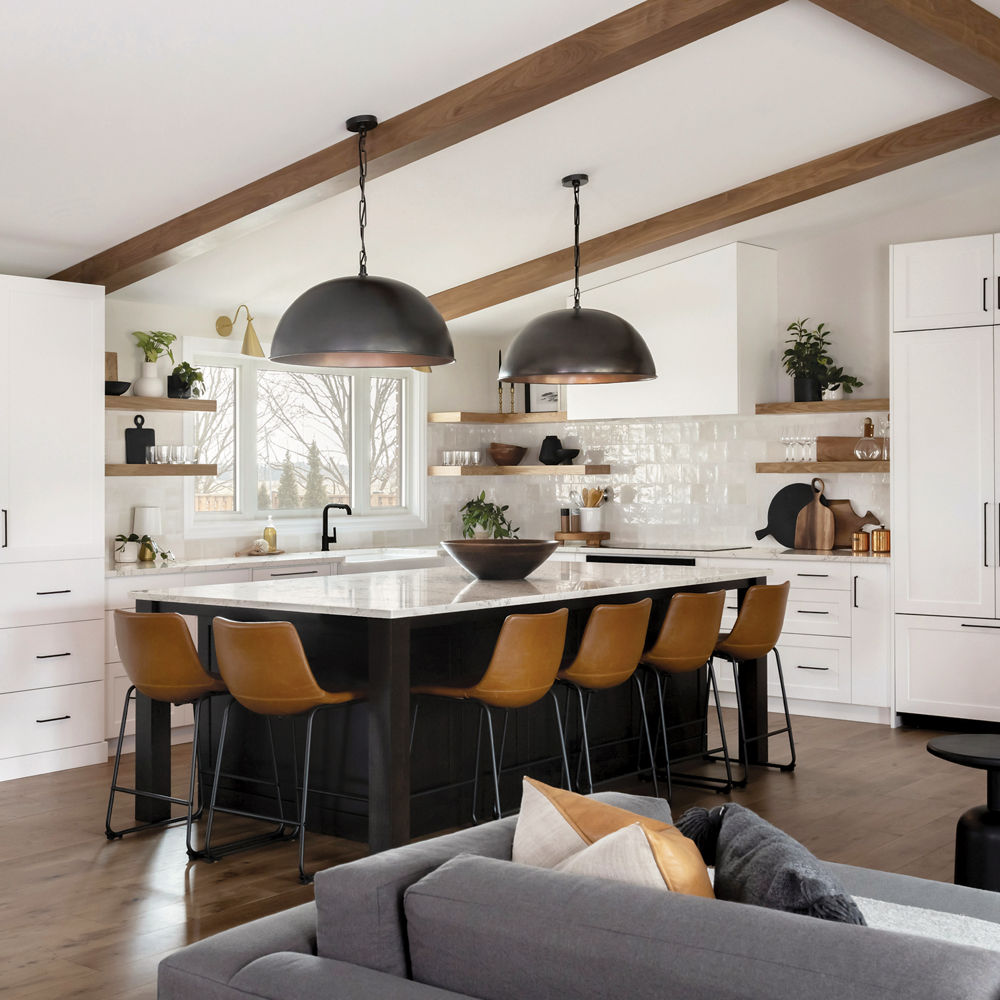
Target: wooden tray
(592,538)
(838,449)
(276,552)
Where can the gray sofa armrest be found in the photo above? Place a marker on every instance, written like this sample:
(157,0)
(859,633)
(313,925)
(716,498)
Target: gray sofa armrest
(306,977)
(205,969)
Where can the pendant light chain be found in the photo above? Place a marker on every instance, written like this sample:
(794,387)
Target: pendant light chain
(363,204)
(576,244)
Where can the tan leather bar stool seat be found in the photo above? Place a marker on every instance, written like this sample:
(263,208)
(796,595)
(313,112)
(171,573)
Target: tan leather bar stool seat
(521,671)
(608,655)
(755,635)
(266,670)
(162,663)
(687,638)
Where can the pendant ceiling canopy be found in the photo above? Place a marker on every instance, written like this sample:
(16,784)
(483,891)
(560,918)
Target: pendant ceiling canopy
(578,345)
(363,321)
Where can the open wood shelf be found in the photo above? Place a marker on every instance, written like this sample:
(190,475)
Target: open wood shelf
(827,406)
(519,470)
(164,469)
(466,417)
(136,404)
(791,468)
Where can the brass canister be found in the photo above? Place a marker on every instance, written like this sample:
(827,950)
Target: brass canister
(880,539)
(859,542)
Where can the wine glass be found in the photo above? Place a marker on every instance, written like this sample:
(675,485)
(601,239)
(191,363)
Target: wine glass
(786,439)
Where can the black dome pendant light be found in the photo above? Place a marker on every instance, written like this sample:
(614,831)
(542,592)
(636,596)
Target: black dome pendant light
(362,322)
(578,345)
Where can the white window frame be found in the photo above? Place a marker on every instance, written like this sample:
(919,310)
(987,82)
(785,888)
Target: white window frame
(410,516)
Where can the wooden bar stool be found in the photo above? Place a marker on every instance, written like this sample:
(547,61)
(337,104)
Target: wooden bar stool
(266,671)
(521,671)
(609,653)
(755,634)
(162,663)
(687,638)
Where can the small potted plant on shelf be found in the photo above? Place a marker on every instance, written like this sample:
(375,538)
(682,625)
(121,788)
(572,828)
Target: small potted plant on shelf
(806,359)
(127,548)
(132,548)
(154,345)
(836,384)
(185,381)
(490,548)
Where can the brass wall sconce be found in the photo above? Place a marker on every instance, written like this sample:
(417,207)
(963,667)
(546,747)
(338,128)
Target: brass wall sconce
(251,345)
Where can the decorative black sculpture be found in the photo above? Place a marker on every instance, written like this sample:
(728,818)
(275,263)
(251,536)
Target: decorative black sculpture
(553,453)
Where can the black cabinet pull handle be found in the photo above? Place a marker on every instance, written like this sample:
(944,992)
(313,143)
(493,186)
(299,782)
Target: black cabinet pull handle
(55,718)
(969,625)
(46,593)
(732,607)
(804,666)
(819,575)
(985,281)
(985,514)
(855,591)
(303,572)
(812,612)
(51,656)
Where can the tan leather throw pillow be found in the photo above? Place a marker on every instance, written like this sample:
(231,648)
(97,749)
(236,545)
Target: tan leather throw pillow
(556,828)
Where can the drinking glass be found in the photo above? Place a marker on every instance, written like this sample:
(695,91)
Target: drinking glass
(475,457)
(151,454)
(163,454)
(177,454)
(447,458)
(786,440)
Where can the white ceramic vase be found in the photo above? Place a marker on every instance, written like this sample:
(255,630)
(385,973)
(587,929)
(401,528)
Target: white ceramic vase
(149,384)
(833,394)
(129,554)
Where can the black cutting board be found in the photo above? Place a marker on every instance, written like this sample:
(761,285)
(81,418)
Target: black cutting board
(783,511)
(137,439)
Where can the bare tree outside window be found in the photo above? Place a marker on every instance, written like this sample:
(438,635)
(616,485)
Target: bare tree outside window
(303,440)
(385,457)
(215,439)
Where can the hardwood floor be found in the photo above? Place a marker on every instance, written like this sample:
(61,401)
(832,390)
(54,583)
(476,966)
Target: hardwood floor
(82,917)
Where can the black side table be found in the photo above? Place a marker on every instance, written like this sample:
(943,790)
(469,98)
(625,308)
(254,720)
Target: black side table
(977,835)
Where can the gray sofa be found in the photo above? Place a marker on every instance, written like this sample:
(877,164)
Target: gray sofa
(452,917)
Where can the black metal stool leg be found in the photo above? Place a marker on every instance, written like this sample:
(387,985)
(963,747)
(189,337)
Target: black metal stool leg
(713,682)
(741,732)
(584,743)
(790,766)
(215,781)
(493,761)
(645,727)
(109,833)
(475,776)
(191,852)
(562,741)
(274,769)
(303,877)
(663,726)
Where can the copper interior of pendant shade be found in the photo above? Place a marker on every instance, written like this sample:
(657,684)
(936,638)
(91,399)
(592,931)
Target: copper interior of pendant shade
(579,378)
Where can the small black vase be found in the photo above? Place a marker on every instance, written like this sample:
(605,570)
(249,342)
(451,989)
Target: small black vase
(807,390)
(548,454)
(176,389)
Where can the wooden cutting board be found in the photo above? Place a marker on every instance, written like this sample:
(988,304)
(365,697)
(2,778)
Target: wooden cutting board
(846,522)
(815,527)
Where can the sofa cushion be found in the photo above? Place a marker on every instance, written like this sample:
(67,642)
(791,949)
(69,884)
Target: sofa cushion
(759,864)
(360,904)
(499,930)
(557,829)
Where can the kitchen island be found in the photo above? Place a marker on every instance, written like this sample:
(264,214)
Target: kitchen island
(377,630)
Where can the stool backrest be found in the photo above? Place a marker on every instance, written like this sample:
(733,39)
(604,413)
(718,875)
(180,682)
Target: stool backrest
(689,632)
(758,625)
(611,646)
(525,660)
(160,658)
(265,667)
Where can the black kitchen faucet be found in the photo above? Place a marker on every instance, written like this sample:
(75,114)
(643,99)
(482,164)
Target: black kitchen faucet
(327,537)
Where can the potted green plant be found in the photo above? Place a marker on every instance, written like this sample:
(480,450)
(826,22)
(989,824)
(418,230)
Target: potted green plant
(806,359)
(185,381)
(490,548)
(154,345)
(836,384)
(145,548)
(127,548)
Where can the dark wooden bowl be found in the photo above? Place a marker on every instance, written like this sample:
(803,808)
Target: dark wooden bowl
(116,388)
(507,454)
(500,558)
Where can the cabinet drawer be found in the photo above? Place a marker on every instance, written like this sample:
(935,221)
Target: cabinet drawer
(948,666)
(41,656)
(818,612)
(817,668)
(813,576)
(291,572)
(217,576)
(40,593)
(51,719)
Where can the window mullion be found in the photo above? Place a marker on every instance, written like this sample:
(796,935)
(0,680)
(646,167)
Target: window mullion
(361,442)
(246,427)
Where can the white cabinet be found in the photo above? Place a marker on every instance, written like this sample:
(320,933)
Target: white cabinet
(710,322)
(944,283)
(952,667)
(51,420)
(944,472)
(871,642)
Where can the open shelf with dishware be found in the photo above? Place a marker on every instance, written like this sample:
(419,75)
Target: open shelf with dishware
(136,404)
(791,468)
(467,417)
(519,470)
(826,406)
(161,469)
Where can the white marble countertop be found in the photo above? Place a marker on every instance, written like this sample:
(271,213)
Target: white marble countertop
(339,555)
(756,552)
(442,590)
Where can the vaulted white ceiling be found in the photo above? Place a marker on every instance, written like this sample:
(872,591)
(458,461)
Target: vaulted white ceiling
(126,117)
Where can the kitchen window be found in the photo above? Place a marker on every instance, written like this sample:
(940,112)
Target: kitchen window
(288,441)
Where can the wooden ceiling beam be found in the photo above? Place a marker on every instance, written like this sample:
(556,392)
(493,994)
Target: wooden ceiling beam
(635,36)
(956,36)
(902,148)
